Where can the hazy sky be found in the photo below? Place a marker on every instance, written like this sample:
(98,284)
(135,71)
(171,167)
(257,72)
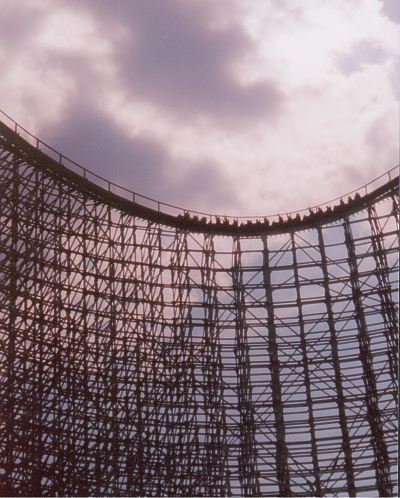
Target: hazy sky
(239,107)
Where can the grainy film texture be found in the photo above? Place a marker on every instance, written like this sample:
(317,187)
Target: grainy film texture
(140,358)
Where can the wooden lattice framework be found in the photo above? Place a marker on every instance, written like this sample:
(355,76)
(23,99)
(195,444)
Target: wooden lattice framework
(150,354)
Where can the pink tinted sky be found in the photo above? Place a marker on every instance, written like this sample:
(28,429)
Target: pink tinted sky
(239,107)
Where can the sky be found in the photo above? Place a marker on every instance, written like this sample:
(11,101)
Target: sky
(240,107)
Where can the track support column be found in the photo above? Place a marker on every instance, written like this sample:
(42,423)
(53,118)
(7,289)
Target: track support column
(248,474)
(282,468)
(381,458)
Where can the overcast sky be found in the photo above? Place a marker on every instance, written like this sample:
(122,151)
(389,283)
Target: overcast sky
(239,107)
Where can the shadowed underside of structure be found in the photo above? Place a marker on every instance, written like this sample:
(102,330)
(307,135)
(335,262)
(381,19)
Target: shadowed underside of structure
(142,354)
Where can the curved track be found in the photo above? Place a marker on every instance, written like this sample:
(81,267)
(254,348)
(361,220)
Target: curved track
(175,216)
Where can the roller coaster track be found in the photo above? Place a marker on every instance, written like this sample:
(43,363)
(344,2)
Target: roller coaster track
(179,217)
(147,350)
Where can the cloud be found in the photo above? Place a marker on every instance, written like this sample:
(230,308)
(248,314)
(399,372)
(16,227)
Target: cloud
(392,10)
(242,110)
(362,53)
(173,55)
(19,23)
(88,135)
